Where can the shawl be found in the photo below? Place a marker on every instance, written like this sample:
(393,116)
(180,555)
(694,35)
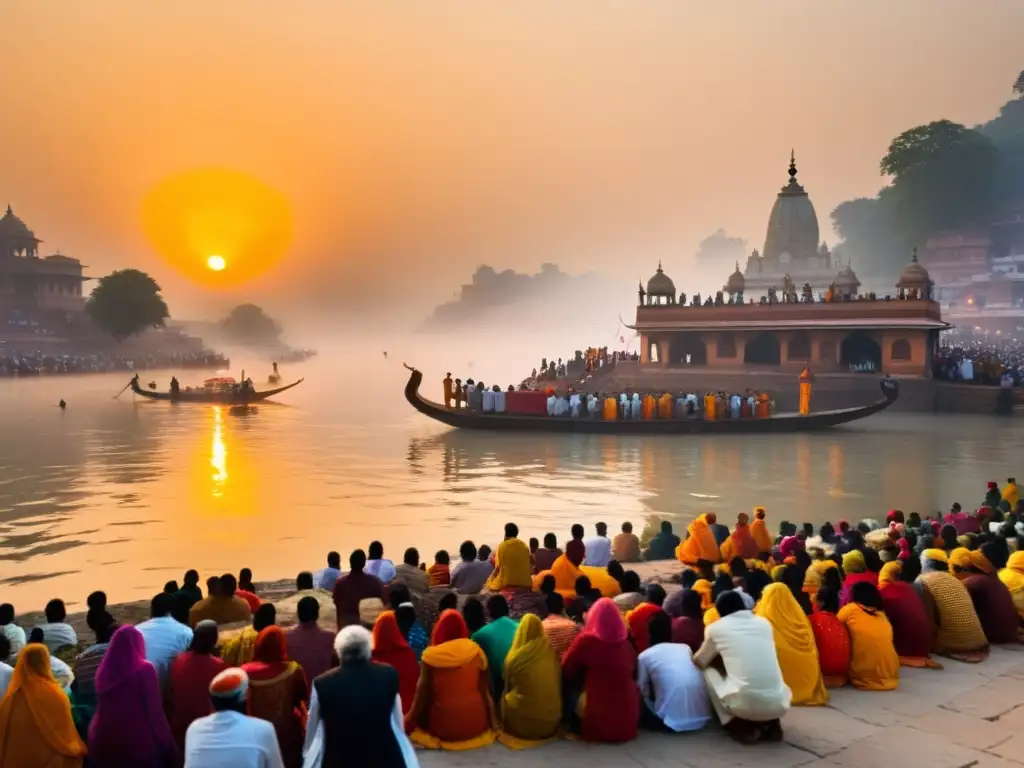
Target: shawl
(705,588)
(512,566)
(605,622)
(450,626)
(270,655)
(48,704)
(938,555)
(790,546)
(1013,574)
(566,573)
(889,574)
(759,531)
(794,644)
(533,677)
(700,543)
(390,647)
(959,562)
(125,656)
(982,563)
(741,542)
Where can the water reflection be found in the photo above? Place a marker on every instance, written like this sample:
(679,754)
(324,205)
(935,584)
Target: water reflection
(219,454)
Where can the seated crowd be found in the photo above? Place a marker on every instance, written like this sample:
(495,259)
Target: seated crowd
(521,645)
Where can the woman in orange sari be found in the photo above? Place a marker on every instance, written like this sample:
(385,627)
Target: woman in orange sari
(741,542)
(391,647)
(874,665)
(453,707)
(36,728)
(700,543)
(759,530)
(279,692)
(569,567)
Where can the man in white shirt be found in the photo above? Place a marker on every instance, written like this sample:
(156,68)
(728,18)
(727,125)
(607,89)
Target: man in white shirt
(551,404)
(328,577)
(6,670)
(57,633)
(229,738)
(10,630)
(165,636)
(599,548)
(488,400)
(672,689)
(377,565)
(742,672)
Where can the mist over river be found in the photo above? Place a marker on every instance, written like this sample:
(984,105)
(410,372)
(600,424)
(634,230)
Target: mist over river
(122,495)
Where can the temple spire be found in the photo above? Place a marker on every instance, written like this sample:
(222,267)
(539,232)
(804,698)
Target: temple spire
(792,165)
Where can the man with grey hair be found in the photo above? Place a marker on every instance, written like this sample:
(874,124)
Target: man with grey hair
(355,713)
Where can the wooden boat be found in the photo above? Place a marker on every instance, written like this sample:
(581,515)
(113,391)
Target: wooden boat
(220,391)
(783,422)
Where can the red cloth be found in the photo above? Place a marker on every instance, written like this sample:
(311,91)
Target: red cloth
(450,626)
(608,673)
(833,643)
(852,578)
(312,648)
(995,607)
(688,631)
(391,647)
(277,692)
(638,628)
(526,403)
(912,630)
(253,601)
(440,575)
(349,590)
(188,691)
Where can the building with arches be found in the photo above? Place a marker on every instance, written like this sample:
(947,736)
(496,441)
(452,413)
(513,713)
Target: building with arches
(897,334)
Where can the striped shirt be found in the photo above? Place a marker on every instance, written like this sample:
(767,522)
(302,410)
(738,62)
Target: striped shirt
(85,668)
(560,631)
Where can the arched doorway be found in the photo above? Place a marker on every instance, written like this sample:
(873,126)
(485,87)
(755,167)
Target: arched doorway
(687,349)
(799,347)
(763,349)
(859,350)
(900,350)
(653,352)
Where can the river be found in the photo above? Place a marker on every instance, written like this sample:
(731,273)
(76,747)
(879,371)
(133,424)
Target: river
(123,495)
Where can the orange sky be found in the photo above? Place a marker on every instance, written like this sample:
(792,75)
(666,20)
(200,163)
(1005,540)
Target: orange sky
(416,140)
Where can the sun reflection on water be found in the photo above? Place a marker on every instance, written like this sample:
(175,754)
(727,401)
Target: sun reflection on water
(218,454)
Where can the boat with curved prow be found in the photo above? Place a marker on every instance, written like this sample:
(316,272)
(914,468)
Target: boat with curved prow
(224,395)
(783,422)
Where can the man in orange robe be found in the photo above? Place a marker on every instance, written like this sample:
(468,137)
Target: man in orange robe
(759,530)
(741,542)
(700,543)
(806,377)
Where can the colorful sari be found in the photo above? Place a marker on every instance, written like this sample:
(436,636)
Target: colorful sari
(741,542)
(188,691)
(238,650)
(566,573)
(700,543)
(391,647)
(36,728)
(129,728)
(278,693)
(453,708)
(794,645)
(912,629)
(874,665)
(531,709)
(856,571)
(1013,577)
(512,566)
(833,643)
(636,621)
(759,530)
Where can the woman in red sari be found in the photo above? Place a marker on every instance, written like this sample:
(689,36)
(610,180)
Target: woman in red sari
(741,542)
(603,660)
(391,647)
(278,692)
(912,629)
(188,683)
(832,639)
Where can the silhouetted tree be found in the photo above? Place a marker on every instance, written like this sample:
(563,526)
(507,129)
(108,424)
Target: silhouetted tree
(249,324)
(125,303)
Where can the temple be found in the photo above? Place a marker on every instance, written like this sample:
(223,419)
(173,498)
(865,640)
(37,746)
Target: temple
(844,331)
(30,284)
(792,250)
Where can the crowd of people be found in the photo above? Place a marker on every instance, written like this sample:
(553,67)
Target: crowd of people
(981,359)
(520,645)
(17,363)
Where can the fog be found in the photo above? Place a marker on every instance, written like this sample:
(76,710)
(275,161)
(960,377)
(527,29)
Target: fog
(416,141)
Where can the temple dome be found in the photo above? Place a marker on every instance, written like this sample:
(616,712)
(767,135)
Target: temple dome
(660,284)
(847,281)
(736,282)
(793,233)
(914,275)
(11,227)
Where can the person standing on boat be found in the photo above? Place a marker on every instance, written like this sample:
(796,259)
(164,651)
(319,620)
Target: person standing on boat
(806,377)
(457,393)
(175,386)
(734,405)
(449,387)
(487,399)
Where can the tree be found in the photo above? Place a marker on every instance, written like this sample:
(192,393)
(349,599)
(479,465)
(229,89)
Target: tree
(720,250)
(1018,87)
(944,177)
(126,302)
(249,324)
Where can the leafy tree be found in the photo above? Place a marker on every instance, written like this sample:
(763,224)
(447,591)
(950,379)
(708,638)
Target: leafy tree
(1007,132)
(1018,87)
(125,303)
(249,324)
(944,177)
(719,249)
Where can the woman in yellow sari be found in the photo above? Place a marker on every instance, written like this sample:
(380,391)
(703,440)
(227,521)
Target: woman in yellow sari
(874,665)
(568,567)
(511,566)
(759,530)
(1013,577)
(700,543)
(531,708)
(36,728)
(794,645)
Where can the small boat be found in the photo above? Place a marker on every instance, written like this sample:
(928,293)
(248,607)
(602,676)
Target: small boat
(783,422)
(219,391)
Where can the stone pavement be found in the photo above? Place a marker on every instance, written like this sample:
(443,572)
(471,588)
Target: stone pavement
(965,716)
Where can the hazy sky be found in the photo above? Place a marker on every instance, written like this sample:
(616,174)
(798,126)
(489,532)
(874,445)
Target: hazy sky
(416,140)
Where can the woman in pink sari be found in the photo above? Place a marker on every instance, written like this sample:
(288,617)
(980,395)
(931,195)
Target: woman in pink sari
(129,729)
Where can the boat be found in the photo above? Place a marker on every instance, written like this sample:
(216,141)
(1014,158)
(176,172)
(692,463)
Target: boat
(219,391)
(782,422)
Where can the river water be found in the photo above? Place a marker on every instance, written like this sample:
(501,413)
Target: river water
(123,495)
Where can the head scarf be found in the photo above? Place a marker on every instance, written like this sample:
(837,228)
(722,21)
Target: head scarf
(47,703)
(450,626)
(982,563)
(889,574)
(759,530)
(794,644)
(741,542)
(271,646)
(125,657)
(387,636)
(605,622)
(790,546)
(575,551)
(778,572)
(905,553)
(937,556)
(530,646)
(853,562)
(700,543)
(704,588)
(959,561)
(1013,574)
(512,566)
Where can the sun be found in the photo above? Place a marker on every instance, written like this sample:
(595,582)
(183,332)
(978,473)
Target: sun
(216,263)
